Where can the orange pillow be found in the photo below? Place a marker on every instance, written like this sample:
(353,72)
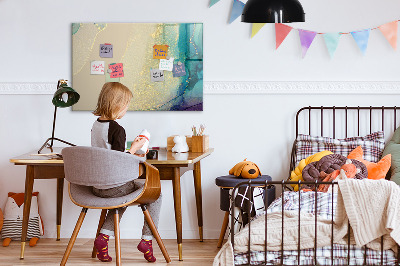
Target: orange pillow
(375,170)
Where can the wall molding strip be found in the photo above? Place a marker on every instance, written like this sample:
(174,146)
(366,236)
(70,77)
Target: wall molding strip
(246,87)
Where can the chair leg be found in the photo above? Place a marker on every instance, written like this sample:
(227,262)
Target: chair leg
(117,238)
(223,229)
(73,237)
(101,222)
(154,230)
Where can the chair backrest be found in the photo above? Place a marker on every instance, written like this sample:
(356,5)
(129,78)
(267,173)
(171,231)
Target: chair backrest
(92,166)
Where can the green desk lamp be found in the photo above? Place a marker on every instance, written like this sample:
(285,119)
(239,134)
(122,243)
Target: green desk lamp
(64,97)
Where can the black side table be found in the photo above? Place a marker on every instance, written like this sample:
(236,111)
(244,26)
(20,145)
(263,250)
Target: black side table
(226,183)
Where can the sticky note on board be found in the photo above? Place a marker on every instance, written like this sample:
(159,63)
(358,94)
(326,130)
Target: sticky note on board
(97,68)
(156,75)
(117,70)
(106,50)
(166,64)
(160,51)
(179,70)
(109,79)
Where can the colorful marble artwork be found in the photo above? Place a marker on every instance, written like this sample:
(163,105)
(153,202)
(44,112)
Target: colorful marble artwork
(133,47)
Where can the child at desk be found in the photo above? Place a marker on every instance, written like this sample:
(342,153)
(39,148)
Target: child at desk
(106,133)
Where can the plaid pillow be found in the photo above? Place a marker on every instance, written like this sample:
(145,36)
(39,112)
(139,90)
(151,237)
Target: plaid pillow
(372,145)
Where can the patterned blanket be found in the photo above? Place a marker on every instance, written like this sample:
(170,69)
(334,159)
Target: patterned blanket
(321,205)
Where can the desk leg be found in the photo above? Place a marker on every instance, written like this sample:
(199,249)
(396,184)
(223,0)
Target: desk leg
(27,206)
(199,204)
(60,190)
(176,182)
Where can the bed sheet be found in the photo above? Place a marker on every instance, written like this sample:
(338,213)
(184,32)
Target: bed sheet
(324,206)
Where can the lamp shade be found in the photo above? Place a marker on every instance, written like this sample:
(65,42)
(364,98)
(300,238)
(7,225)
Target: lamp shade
(273,11)
(65,96)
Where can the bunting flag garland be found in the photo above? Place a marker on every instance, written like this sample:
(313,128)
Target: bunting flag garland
(281,31)
(361,37)
(213,2)
(389,30)
(306,39)
(332,41)
(256,27)
(237,9)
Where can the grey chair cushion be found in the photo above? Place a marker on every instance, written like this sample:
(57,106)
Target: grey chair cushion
(99,167)
(83,195)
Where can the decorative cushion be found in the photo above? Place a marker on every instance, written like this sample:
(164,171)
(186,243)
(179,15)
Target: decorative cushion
(328,164)
(13,215)
(372,144)
(375,170)
(393,148)
(296,174)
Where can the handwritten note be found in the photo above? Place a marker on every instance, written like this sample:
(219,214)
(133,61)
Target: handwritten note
(117,70)
(156,75)
(160,51)
(97,68)
(106,50)
(109,79)
(179,70)
(167,64)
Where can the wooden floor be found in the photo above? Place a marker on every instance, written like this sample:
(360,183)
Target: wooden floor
(50,252)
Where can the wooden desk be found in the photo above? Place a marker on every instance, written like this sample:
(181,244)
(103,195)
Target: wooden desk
(40,167)
(169,165)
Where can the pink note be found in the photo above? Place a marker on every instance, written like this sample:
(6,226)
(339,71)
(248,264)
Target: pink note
(117,70)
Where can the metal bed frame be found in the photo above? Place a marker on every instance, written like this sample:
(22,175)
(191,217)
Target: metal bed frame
(284,184)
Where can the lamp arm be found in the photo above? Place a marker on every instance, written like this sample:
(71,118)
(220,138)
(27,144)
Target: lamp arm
(54,126)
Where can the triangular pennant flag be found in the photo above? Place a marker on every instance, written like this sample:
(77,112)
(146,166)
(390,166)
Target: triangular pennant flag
(361,37)
(390,32)
(256,27)
(281,31)
(237,9)
(306,39)
(332,41)
(213,2)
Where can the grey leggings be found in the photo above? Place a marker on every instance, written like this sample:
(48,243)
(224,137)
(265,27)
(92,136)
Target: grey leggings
(154,208)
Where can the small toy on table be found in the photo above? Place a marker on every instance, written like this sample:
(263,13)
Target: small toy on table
(245,169)
(180,144)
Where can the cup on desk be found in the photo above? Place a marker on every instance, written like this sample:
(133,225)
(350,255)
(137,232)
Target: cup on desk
(152,155)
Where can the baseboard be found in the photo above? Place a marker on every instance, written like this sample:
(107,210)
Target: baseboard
(246,87)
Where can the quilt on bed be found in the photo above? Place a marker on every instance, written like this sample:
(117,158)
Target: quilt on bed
(292,201)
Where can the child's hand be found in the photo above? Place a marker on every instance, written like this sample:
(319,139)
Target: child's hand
(137,144)
(142,155)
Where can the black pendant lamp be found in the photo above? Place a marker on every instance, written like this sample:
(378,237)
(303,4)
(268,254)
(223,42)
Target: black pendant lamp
(273,11)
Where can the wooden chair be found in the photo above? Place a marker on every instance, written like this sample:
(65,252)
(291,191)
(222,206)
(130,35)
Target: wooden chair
(85,167)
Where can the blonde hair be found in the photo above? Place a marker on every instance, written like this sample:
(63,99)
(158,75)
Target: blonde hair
(113,97)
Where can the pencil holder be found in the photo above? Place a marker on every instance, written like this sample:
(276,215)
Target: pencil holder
(200,143)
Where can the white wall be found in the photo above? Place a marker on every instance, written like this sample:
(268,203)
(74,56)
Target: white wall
(35,44)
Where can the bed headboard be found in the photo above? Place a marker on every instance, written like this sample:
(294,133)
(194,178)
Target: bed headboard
(344,121)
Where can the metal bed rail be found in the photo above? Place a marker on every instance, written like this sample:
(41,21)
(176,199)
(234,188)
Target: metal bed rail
(265,185)
(346,123)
